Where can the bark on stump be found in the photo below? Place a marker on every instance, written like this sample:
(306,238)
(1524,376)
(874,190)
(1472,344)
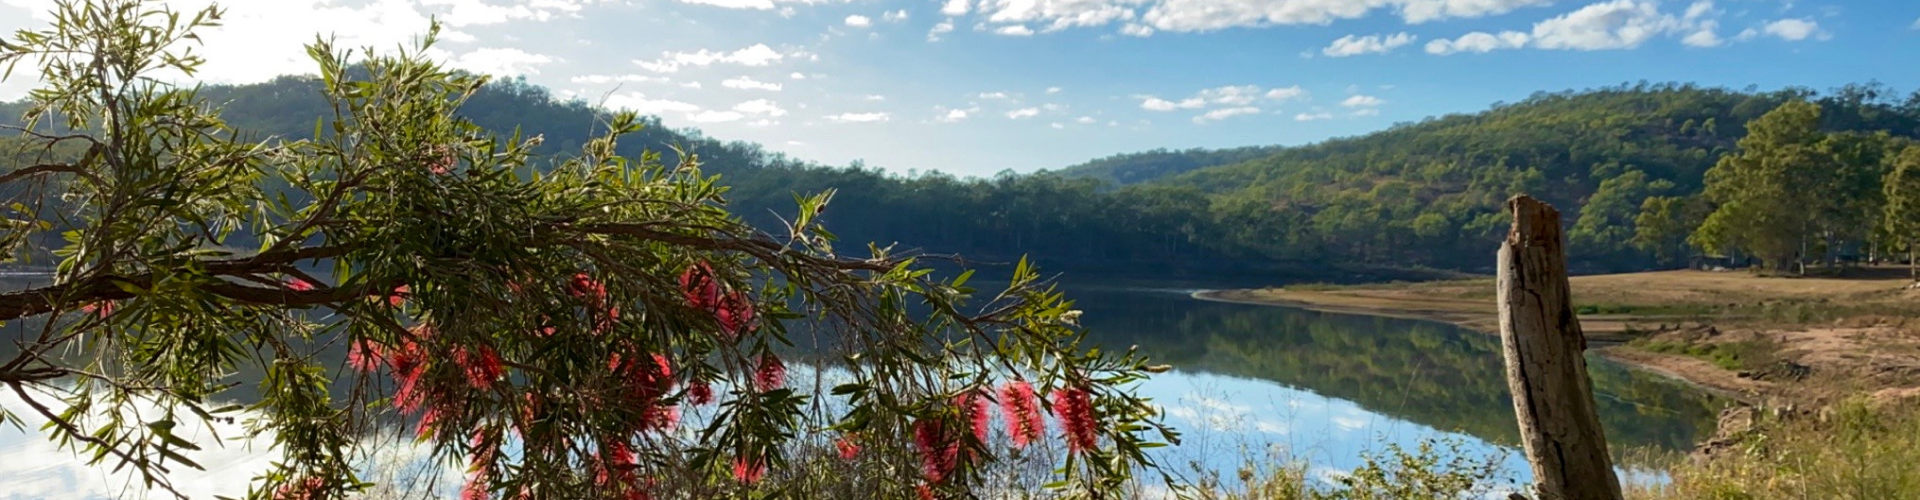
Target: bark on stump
(1546,369)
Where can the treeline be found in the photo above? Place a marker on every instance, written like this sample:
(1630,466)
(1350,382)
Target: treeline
(1628,165)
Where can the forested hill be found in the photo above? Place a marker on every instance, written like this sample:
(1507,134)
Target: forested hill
(1420,195)
(1429,193)
(1133,168)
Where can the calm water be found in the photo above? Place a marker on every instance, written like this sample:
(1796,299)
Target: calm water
(1248,381)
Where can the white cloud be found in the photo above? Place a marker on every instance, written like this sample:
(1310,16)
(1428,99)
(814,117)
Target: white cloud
(894,16)
(756,55)
(1704,36)
(797,76)
(1085,120)
(1793,30)
(1023,113)
(501,62)
(953,115)
(639,103)
(1286,93)
(860,117)
(1915,25)
(1229,95)
(994,95)
(954,8)
(1618,24)
(605,79)
(1479,42)
(1224,113)
(876,97)
(1143,17)
(1351,45)
(760,107)
(785,11)
(933,35)
(1053,90)
(1014,30)
(1056,125)
(1307,117)
(1140,30)
(1362,101)
(1367,112)
(746,83)
(692,85)
(712,116)
(859,21)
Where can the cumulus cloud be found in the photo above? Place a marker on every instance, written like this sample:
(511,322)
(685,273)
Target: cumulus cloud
(785,11)
(756,55)
(872,117)
(993,95)
(1362,101)
(1053,90)
(894,16)
(639,103)
(953,115)
(1144,17)
(1085,120)
(1230,95)
(1224,113)
(1307,117)
(746,83)
(1351,45)
(713,116)
(760,107)
(605,79)
(859,21)
(1023,113)
(797,76)
(1793,30)
(944,27)
(955,8)
(1014,30)
(501,62)
(1479,42)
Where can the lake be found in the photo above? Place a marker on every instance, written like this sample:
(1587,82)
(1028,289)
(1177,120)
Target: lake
(1248,382)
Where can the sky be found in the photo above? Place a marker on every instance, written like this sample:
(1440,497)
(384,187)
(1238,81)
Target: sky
(975,87)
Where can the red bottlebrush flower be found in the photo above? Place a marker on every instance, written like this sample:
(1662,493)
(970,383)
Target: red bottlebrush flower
(428,421)
(399,295)
(699,392)
(442,160)
(925,491)
(749,470)
(482,366)
(406,360)
(1074,406)
(771,374)
(735,314)
(977,408)
(938,448)
(530,412)
(700,286)
(605,322)
(585,287)
(300,489)
(847,447)
(475,488)
(660,418)
(299,285)
(1022,410)
(365,356)
(102,308)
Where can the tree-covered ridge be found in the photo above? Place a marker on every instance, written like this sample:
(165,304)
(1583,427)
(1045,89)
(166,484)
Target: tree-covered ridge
(1424,194)
(1134,168)
(1429,192)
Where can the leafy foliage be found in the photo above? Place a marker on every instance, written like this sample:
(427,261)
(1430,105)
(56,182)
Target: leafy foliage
(485,295)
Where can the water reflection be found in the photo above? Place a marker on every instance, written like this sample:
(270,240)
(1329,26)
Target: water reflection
(1250,382)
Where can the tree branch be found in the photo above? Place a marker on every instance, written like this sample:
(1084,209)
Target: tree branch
(107,287)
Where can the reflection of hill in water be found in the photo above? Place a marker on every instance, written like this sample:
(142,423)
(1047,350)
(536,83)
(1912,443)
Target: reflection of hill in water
(1428,373)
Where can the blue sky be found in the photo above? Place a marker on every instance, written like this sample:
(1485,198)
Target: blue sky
(974,87)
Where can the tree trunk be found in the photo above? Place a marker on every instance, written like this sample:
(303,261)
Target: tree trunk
(1546,368)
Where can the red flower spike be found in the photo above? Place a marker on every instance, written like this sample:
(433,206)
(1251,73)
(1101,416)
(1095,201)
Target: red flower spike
(977,408)
(699,392)
(475,487)
(365,356)
(1074,406)
(585,287)
(102,308)
(299,285)
(735,314)
(749,471)
(1022,411)
(482,366)
(925,491)
(399,295)
(428,421)
(938,448)
(302,489)
(847,447)
(771,374)
(700,287)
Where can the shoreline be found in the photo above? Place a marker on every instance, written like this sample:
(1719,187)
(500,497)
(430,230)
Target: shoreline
(1606,334)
